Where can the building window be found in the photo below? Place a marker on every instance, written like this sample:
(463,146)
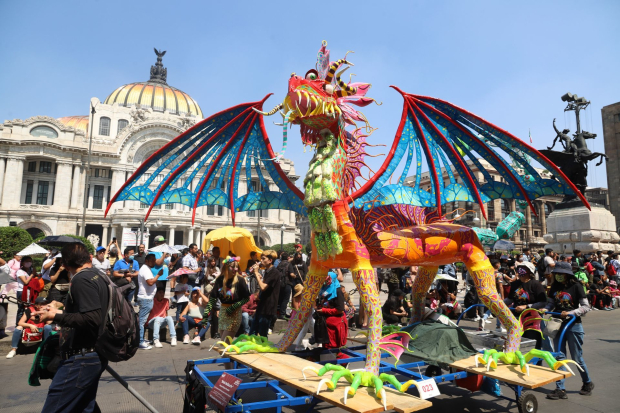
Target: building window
(43,132)
(104,126)
(210,209)
(505,208)
(42,191)
(122,124)
(169,206)
(29,186)
(143,205)
(45,167)
(96,172)
(98,197)
(32,166)
(220,210)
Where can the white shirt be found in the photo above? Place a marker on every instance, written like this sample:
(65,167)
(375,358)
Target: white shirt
(548,262)
(101,266)
(45,274)
(179,290)
(20,283)
(145,290)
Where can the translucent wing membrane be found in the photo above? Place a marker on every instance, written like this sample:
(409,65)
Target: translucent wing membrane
(452,143)
(203,166)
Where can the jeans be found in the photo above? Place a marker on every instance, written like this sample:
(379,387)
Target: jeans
(246,322)
(20,309)
(260,325)
(18,332)
(155,324)
(130,294)
(180,308)
(574,338)
(74,387)
(190,323)
(146,305)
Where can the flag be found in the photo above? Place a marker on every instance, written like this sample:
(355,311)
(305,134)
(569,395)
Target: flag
(530,132)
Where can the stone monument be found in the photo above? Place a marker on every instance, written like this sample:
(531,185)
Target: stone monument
(572,225)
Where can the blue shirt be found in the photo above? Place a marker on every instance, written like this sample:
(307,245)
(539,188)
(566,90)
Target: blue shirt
(122,265)
(155,269)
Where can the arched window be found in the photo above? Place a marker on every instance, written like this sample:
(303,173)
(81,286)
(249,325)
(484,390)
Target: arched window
(122,124)
(104,126)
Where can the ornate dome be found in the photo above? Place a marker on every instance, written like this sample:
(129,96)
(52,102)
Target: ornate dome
(155,93)
(78,122)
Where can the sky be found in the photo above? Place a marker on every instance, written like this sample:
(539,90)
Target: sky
(508,62)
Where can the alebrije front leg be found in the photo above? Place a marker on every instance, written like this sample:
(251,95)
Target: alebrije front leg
(423,281)
(550,360)
(351,390)
(365,282)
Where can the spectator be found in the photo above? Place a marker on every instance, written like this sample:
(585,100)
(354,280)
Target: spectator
(232,292)
(549,265)
(447,300)
(599,257)
(14,266)
(216,256)
(299,268)
(253,260)
(297,290)
(124,270)
(159,315)
(191,263)
(567,296)
(299,249)
(526,292)
(81,319)
(27,322)
(602,294)
(526,255)
(112,252)
(268,299)
(211,273)
(174,258)
(598,268)
(181,294)
(48,263)
(146,294)
(287,282)
(331,308)
(247,312)
(393,309)
(139,258)
(160,266)
(614,272)
(60,279)
(100,262)
(393,280)
(24,276)
(191,317)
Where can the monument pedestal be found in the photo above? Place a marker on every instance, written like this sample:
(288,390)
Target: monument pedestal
(572,226)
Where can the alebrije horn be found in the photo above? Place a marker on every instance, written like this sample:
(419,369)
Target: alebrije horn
(271,112)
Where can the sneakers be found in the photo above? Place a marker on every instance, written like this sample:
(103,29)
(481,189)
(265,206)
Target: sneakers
(486,320)
(586,389)
(500,330)
(186,339)
(196,340)
(607,308)
(491,316)
(557,394)
(11,354)
(477,318)
(595,309)
(145,346)
(157,344)
(173,341)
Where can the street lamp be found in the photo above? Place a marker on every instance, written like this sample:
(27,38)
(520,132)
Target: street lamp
(143,222)
(264,230)
(282,228)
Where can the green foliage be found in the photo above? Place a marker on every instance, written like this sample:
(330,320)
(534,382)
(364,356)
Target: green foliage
(85,241)
(288,248)
(13,240)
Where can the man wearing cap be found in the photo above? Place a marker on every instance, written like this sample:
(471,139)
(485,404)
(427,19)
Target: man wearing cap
(568,298)
(160,261)
(100,262)
(526,292)
(298,248)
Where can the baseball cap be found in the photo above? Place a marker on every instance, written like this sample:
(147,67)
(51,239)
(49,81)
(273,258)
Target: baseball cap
(562,268)
(196,289)
(40,300)
(160,238)
(297,245)
(100,249)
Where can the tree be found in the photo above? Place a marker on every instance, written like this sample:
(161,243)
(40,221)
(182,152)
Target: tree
(13,240)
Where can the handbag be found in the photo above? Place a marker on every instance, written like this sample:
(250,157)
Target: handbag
(552,327)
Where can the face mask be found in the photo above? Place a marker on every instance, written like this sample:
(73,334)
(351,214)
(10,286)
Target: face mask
(560,278)
(27,264)
(131,257)
(166,261)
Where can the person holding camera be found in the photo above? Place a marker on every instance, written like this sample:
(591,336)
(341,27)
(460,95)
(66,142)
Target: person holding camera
(125,270)
(79,321)
(53,256)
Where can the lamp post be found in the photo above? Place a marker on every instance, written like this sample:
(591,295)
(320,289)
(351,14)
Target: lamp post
(143,222)
(86,181)
(282,228)
(264,230)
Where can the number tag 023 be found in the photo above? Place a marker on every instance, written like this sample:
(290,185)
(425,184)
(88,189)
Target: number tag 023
(428,388)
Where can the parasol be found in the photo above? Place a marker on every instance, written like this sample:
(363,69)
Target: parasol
(238,240)
(58,240)
(32,249)
(504,245)
(180,247)
(181,271)
(445,277)
(165,248)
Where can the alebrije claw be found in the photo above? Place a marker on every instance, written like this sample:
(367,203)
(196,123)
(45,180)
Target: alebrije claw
(324,381)
(346,392)
(303,371)
(383,399)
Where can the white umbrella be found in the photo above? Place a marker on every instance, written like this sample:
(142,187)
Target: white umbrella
(180,247)
(32,249)
(165,248)
(445,277)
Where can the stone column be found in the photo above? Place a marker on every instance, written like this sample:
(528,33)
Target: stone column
(2,166)
(528,223)
(104,236)
(81,190)
(171,236)
(190,236)
(12,191)
(62,190)
(543,218)
(75,188)
(513,205)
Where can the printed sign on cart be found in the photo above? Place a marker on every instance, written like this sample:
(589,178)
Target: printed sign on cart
(428,388)
(223,391)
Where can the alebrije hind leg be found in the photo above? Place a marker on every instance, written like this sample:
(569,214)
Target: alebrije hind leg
(420,287)
(367,287)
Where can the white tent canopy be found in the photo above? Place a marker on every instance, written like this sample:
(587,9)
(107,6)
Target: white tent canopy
(33,249)
(165,248)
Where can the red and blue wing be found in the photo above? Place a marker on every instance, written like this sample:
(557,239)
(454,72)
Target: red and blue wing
(450,141)
(203,166)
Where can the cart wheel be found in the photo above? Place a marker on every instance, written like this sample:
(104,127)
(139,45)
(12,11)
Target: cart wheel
(527,403)
(432,371)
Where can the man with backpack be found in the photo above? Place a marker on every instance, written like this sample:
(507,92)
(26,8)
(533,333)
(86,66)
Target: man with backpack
(80,321)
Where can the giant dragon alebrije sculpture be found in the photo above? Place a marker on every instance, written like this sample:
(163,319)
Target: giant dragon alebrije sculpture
(378,224)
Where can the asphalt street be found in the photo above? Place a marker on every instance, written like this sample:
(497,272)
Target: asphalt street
(158,374)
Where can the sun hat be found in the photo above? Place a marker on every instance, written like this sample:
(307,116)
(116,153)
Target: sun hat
(297,290)
(527,265)
(562,268)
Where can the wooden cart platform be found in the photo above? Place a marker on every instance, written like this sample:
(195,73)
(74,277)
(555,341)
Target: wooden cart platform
(287,368)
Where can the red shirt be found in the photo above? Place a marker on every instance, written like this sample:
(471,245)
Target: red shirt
(250,306)
(160,309)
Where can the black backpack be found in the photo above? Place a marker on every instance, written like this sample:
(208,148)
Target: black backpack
(540,267)
(119,334)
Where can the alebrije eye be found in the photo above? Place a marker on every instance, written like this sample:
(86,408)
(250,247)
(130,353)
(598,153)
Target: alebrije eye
(312,75)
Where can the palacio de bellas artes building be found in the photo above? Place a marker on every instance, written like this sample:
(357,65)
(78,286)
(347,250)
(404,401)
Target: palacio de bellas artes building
(43,164)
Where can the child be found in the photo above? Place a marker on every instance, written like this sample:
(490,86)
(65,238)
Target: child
(158,315)
(181,294)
